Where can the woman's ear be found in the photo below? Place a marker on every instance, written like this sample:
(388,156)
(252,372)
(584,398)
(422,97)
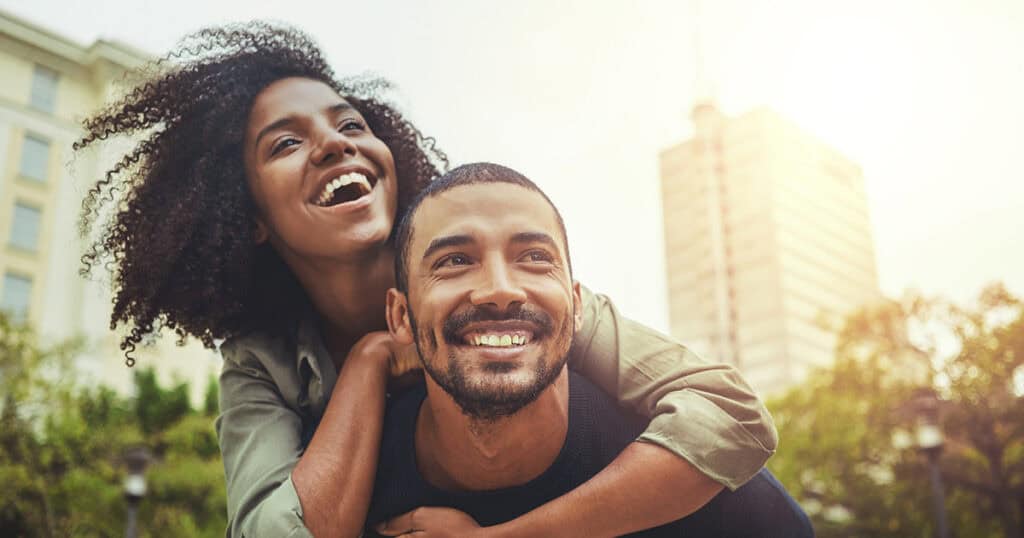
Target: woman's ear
(398,317)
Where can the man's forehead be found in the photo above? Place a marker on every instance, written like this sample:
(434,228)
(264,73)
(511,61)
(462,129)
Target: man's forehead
(483,207)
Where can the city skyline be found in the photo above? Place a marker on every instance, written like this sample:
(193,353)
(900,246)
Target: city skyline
(583,98)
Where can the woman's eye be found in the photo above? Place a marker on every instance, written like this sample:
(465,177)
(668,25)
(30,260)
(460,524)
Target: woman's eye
(351,125)
(282,144)
(453,260)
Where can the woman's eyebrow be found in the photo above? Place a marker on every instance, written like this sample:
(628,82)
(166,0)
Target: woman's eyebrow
(273,126)
(340,107)
(333,109)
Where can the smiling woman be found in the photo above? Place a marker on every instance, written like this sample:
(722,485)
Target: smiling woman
(257,207)
(195,107)
(302,142)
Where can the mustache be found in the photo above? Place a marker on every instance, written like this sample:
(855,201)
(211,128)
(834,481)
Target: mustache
(457,322)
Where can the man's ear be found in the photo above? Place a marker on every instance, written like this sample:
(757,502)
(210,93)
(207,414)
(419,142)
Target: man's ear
(261,232)
(398,317)
(577,306)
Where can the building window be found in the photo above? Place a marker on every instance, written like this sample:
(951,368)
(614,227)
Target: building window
(17,295)
(25,227)
(44,89)
(35,157)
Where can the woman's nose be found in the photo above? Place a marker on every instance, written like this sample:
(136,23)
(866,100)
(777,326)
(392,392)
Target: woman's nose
(332,146)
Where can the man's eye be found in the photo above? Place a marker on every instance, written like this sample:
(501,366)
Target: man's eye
(453,260)
(538,256)
(282,145)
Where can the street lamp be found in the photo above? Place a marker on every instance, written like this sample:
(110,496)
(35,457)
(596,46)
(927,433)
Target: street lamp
(924,409)
(135,459)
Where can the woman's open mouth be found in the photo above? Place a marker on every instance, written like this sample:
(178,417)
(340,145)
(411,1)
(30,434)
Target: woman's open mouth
(345,188)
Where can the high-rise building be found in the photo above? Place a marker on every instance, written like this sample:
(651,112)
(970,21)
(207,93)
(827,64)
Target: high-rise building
(50,84)
(767,242)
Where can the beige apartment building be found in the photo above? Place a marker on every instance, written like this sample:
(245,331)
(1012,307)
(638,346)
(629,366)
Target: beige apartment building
(767,241)
(49,84)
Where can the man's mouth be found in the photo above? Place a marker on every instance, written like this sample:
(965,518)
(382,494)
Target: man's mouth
(482,328)
(498,338)
(345,188)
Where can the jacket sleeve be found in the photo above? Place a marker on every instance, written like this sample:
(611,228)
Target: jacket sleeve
(703,411)
(260,441)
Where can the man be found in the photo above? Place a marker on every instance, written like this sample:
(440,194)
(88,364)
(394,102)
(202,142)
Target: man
(501,427)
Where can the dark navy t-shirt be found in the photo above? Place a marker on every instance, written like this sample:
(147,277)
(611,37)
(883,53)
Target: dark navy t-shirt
(598,431)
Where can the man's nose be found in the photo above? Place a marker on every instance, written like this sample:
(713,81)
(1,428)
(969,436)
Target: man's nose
(331,146)
(498,287)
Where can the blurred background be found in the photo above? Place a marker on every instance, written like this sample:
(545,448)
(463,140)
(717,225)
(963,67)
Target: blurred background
(827,195)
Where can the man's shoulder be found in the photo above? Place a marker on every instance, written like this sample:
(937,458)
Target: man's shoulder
(599,415)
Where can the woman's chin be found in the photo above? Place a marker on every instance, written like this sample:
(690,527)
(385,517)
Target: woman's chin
(366,237)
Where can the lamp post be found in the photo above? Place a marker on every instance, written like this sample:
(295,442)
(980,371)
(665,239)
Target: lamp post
(929,439)
(135,459)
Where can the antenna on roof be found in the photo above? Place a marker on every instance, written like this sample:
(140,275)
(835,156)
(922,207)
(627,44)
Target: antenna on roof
(704,86)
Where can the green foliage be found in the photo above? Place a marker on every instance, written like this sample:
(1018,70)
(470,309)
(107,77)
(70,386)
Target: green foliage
(156,407)
(61,451)
(211,400)
(837,454)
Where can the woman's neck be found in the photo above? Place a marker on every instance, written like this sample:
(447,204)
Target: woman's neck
(350,296)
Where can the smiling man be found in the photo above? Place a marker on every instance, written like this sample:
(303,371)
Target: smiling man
(501,427)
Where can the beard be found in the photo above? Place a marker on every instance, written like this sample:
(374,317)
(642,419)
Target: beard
(493,398)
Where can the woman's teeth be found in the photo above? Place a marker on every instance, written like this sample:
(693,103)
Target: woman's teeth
(342,181)
(498,340)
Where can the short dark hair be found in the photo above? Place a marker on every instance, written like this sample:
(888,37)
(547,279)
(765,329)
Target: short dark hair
(467,174)
(174,219)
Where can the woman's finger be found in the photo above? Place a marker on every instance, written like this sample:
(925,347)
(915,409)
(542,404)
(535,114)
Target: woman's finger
(404,359)
(399,525)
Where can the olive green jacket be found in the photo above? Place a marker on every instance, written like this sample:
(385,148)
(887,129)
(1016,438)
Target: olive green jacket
(273,392)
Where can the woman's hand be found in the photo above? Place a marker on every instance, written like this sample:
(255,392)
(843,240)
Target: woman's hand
(380,349)
(404,359)
(395,364)
(431,522)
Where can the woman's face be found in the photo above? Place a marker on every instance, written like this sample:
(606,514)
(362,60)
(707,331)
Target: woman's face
(324,185)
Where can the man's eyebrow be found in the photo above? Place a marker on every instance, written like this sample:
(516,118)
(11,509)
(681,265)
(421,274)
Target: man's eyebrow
(534,237)
(333,109)
(446,241)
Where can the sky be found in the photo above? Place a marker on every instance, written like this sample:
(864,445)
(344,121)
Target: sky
(581,96)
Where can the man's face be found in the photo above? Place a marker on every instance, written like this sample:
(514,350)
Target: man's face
(491,304)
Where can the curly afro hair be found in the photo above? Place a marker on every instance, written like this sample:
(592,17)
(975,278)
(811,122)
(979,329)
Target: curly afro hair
(174,221)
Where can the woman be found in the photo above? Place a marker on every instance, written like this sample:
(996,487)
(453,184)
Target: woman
(246,213)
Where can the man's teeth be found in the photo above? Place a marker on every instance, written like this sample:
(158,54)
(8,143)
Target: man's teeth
(499,340)
(341,181)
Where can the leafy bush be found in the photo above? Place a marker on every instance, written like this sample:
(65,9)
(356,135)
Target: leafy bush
(61,450)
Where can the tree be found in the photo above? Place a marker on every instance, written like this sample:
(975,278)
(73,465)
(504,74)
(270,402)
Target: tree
(836,453)
(61,449)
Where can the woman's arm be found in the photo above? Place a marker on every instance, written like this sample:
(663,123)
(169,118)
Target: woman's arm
(334,478)
(646,486)
(275,487)
(700,410)
(707,428)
